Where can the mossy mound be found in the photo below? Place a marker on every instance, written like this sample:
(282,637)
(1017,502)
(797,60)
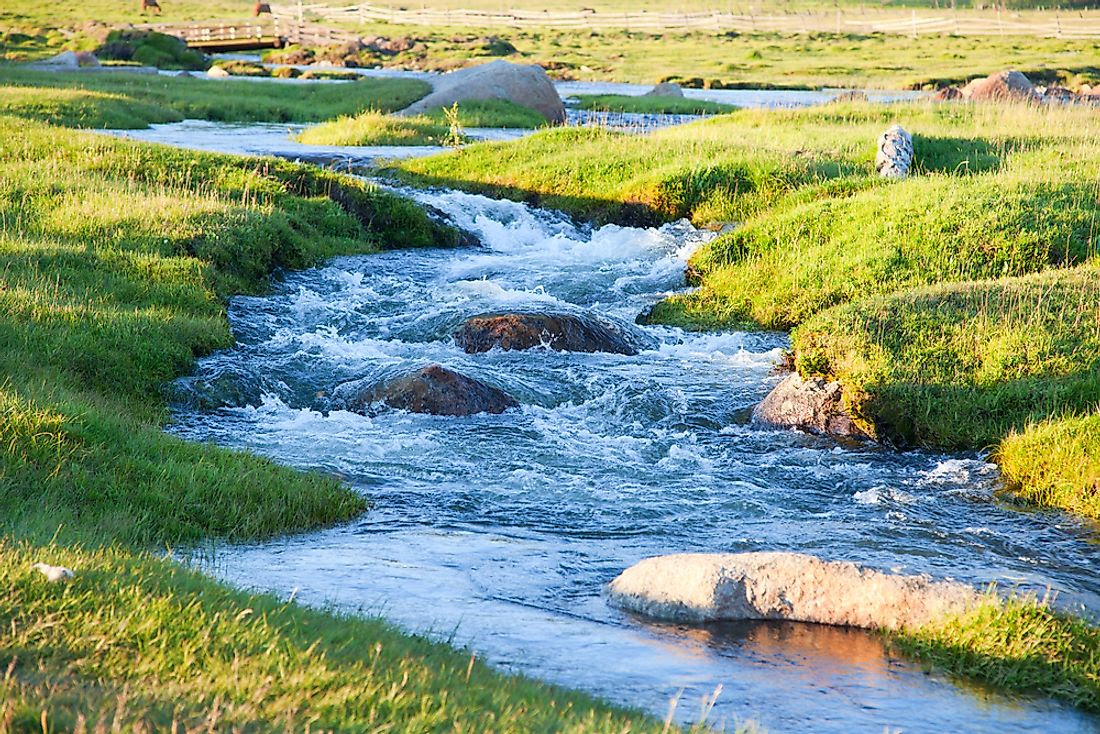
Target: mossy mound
(151,48)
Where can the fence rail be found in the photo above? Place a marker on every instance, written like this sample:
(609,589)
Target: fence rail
(1056,24)
(254,33)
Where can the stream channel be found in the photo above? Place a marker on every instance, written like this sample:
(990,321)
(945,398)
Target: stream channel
(498,532)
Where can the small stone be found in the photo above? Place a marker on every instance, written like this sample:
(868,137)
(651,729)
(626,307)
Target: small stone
(53,574)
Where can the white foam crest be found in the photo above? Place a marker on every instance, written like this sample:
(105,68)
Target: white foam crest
(489,290)
(879,494)
(719,348)
(338,349)
(686,458)
(338,434)
(958,472)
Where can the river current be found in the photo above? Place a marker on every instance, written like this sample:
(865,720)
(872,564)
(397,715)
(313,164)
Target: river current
(498,532)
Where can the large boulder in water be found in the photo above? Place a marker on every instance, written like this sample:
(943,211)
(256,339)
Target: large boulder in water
(434,390)
(1004,86)
(814,405)
(560,332)
(525,85)
(708,587)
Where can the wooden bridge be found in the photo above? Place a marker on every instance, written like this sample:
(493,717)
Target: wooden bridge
(253,33)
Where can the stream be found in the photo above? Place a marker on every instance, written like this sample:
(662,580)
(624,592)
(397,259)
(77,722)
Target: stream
(497,532)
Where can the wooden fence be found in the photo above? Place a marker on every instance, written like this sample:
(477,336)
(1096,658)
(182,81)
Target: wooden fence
(1082,24)
(262,32)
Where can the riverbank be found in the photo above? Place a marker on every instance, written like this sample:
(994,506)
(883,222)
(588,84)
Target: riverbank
(98,310)
(127,101)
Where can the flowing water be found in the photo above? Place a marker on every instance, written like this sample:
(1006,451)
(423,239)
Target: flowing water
(499,531)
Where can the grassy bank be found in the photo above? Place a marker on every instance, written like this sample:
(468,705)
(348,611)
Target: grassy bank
(1019,645)
(136,642)
(434,127)
(100,305)
(647,105)
(136,100)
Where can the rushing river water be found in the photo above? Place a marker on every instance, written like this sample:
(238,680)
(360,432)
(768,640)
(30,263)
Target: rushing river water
(499,531)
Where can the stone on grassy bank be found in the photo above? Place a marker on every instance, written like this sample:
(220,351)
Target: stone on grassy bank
(1004,86)
(710,587)
(895,153)
(524,85)
(434,390)
(560,332)
(814,405)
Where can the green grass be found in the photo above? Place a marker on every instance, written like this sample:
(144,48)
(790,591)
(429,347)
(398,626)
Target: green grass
(138,640)
(962,365)
(136,100)
(1019,645)
(492,113)
(377,128)
(650,105)
(1056,463)
(102,305)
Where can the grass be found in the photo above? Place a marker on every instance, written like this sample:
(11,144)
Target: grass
(1055,463)
(377,128)
(100,306)
(431,128)
(121,100)
(646,105)
(492,113)
(138,642)
(1019,645)
(751,61)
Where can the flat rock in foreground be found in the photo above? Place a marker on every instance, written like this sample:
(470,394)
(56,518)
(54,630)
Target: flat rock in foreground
(709,587)
(525,85)
(560,332)
(814,405)
(434,390)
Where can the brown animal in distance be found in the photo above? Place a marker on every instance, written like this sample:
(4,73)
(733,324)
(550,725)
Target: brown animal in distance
(261,8)
(150,5)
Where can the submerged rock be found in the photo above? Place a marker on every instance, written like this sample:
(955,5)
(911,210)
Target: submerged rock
(815,405)
(708,587)
(434,390)
(1004,86)
(560,332)
(665,89)
(525,85)
(895,153)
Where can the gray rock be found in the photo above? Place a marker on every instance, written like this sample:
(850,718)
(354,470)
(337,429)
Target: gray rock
(525,85)
(813,405)
(707,587)
(1004,86)
(560,332)
(666,89)
(894,156)
(434,390)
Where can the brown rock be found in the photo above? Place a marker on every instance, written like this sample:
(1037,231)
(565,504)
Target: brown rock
(1004,86)
(947,94)
(434,390)
(560,332)
(814,405)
